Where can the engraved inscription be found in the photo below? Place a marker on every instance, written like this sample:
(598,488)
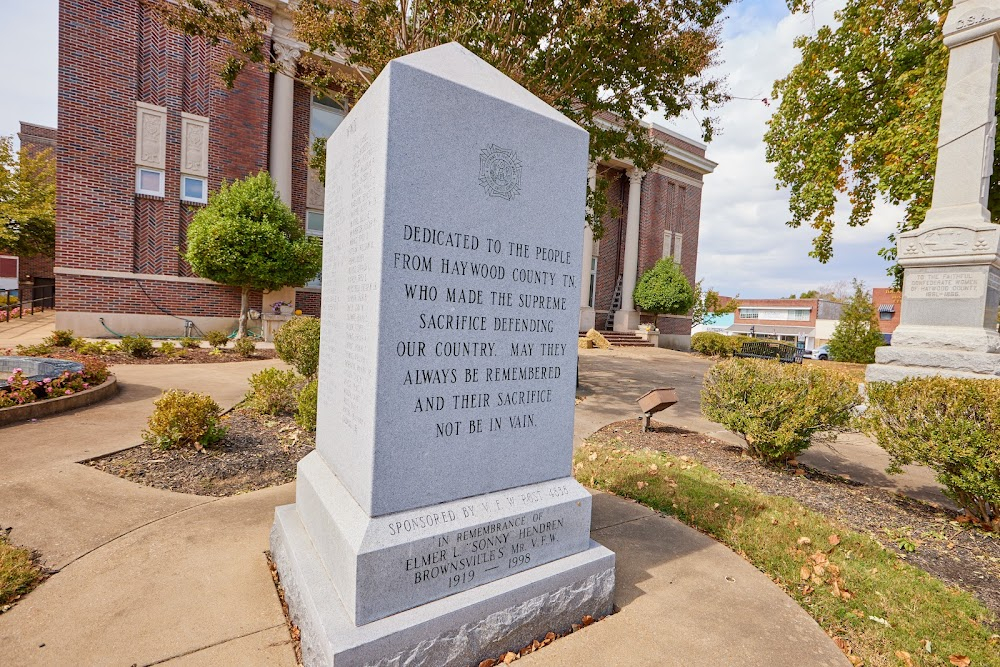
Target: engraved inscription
(951,285)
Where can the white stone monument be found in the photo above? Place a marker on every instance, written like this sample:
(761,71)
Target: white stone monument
(438,523)
(951,282)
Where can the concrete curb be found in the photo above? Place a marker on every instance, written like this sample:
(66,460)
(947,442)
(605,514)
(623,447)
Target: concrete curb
(51,406)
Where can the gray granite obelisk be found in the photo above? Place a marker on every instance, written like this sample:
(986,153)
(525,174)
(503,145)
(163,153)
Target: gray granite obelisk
(951,281)
(438,522)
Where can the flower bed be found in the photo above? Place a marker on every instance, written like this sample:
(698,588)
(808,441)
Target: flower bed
(47,381)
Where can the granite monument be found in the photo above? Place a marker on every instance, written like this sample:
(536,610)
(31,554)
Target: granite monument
(437,522)
(951,279)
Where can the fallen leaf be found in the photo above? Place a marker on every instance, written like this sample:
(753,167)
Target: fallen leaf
(488,663)
(576,626)
(685,458)
(879,620)
(640,485)
(819,570)
(653,468)
(805,573)
(834,540)
(960,660)
(587,620)
(774,522)
(803,540)
(715,506)
(593,457)
(549,638)
(509,658)
(842,644)
(855,660)
(858,613)
(808,590)
(926,643)
(905,657)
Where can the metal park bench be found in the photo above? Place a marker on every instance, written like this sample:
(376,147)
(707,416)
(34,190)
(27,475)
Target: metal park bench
(760,349)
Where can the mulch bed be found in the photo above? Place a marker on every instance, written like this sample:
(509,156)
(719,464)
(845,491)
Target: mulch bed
(926,536)
(257,452)
(198,355)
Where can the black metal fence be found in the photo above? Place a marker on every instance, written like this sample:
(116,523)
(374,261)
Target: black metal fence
(27,300)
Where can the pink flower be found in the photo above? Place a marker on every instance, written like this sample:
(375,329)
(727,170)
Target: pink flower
(46,380)
(48,390)
(24,383)
(18,370)
(69,391)
(85,385)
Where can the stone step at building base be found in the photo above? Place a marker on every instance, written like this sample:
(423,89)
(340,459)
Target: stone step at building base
(625,339)
(459,630)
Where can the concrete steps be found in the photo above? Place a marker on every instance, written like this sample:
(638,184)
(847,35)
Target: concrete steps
(625,339)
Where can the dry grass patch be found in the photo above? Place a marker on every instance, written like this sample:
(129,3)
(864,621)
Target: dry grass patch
(19,571)
(878,609)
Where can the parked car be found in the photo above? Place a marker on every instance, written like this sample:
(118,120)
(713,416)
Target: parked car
(822,353)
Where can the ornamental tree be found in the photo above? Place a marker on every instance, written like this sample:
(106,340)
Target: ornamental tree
(248,238)
(664,290)
(708,305)
(859,115)
(587,58)
(27,200)
(857,334)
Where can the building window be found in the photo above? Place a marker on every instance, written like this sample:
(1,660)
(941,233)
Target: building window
(885,315)
(149,182)
(749,314)
(325,115)
(593,281)
(194,189)
(802,314)
(314,223)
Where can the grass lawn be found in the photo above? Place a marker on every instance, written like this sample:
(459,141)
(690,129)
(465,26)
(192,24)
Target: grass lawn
(879,610)
(18,571)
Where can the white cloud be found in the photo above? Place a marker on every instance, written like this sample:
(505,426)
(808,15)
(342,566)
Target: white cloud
(745,246)
(30,53)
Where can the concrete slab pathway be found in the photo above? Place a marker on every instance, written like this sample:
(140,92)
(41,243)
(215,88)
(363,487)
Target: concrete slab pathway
(150,577)
(27,330)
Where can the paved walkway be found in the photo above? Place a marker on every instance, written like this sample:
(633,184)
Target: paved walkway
(28,330)
(153,577)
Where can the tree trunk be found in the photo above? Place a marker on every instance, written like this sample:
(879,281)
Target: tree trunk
(244,306)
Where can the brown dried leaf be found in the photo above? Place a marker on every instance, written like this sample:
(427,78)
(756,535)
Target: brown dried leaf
(592,457)
(489,662)
(653,468)
(819,570)
(808,590)
(842,644)
(587,620)
(960,660)
(640,485)
(549,638)
(576,626)
(905,657)
(509,657)
(834,540)
(803,540)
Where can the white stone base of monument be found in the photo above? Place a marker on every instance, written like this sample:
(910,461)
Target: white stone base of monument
(626,320)
(588,319)
(458,630)
(896,363)
(971,339)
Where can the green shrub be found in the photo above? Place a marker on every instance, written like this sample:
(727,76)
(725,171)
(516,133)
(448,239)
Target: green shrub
(184,419)
(137,346)
(217,338)
(169,349)
(38,350)
(245,347)
(297,344)
(189,342)
(305,415)
(95,371)
(711,344)
(664,289)
(777,407)
(950,425)
(96,348)
(274,391)
(60,338)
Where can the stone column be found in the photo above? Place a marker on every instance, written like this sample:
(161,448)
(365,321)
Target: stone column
(280,158)
(627,319)
(951,280)
(587,317)
(282,113)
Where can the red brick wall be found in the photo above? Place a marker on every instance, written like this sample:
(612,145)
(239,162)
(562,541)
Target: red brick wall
(884,296)
(812,304)
(300,149)
(308,303)
(612,246)
(111,54)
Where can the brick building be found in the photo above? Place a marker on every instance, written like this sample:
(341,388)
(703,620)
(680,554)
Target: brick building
(806,323)
(147,130)
(888,303)
(25,272)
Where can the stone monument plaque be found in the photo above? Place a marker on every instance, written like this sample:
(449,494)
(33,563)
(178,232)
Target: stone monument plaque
(438,514)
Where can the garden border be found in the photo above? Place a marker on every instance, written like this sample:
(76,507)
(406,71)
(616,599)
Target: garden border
(51,406)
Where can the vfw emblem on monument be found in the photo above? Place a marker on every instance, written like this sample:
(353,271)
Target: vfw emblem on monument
(500,172)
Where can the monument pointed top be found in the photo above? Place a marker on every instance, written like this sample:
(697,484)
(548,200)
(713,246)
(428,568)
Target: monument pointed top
(455,63)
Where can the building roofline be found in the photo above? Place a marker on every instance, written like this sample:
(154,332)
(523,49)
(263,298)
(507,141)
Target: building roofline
(675,135)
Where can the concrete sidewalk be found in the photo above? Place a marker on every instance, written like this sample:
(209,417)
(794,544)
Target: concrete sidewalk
(27,330)
(153,577)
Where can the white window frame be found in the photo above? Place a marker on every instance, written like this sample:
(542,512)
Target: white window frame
(593,281)
(204,189)
(138,181)
(310,232)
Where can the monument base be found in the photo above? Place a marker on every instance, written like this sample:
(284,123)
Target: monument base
(626,320)
(893,364)
(459,630)
(588,319)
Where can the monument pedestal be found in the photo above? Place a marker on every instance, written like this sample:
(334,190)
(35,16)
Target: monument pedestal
(626,320)
(588,319)
(458,630)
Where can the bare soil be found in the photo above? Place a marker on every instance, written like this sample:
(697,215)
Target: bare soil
(929,537)
(257,452)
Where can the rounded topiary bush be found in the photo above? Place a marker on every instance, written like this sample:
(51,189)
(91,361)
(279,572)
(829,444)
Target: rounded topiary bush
(777,408)
(138,346)
(274,391)
(711,344)
(950,425)
(297,344)
(184,419)
(245,347)
(305,415)
(217,338)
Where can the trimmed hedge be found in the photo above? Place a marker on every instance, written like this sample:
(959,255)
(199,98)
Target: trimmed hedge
(950,425)
(776,407)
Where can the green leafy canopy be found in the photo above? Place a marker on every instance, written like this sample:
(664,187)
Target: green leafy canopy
(27,201)
(858,116)
(247,237)
(590,59)
(857,333)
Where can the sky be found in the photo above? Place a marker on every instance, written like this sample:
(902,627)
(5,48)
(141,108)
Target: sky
(745,247)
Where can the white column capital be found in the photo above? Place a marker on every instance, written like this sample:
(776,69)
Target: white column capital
(286,55)
(635,176)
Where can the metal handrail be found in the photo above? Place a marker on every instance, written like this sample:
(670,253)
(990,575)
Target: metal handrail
(35,303)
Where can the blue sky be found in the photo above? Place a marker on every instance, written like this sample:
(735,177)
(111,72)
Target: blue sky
(745,247)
